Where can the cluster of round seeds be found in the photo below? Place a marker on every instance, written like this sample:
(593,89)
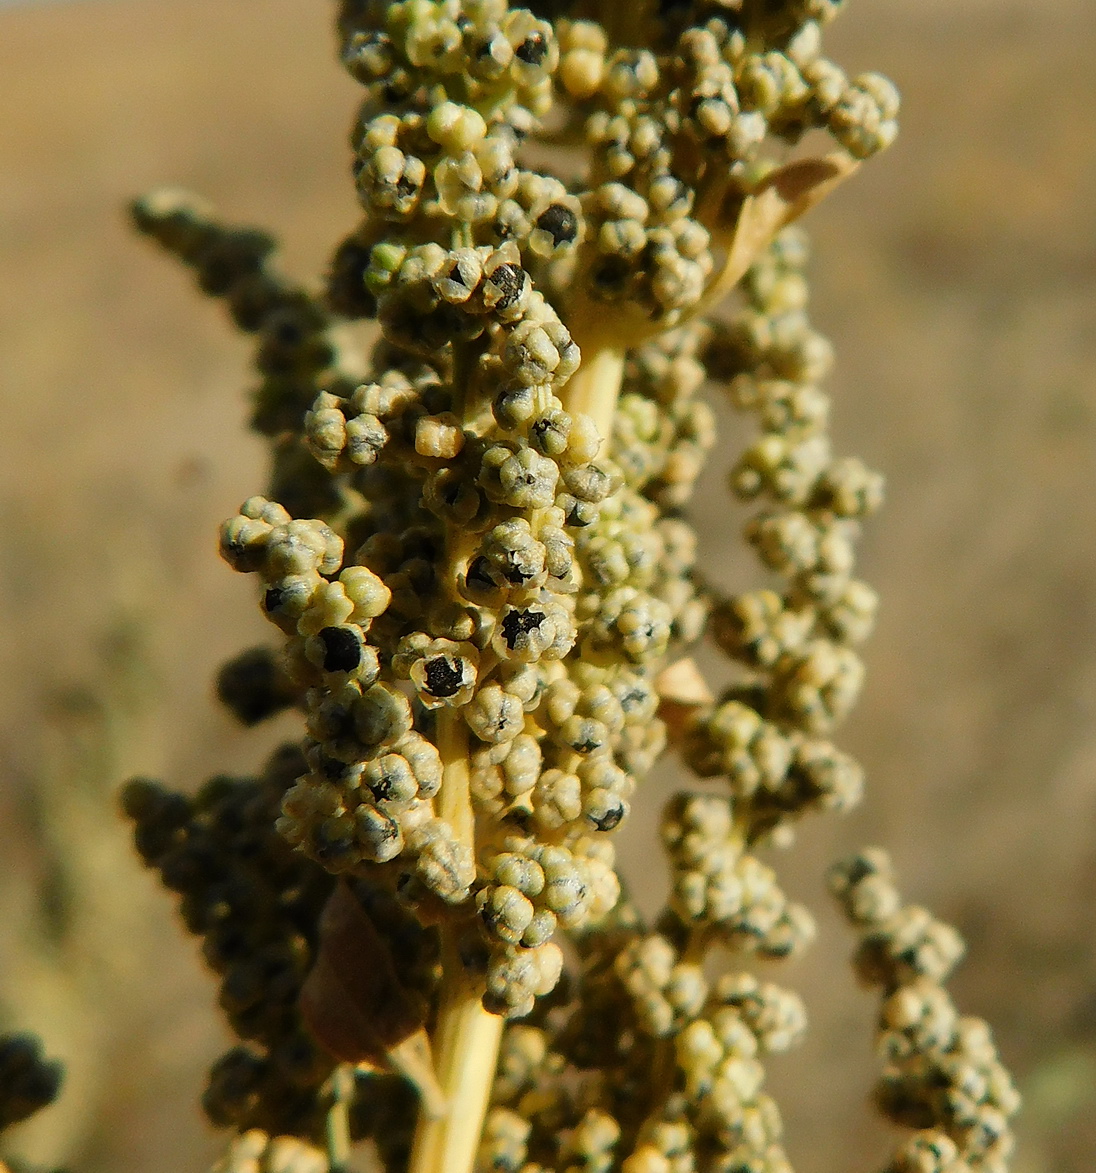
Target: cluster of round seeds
(662,431)
(719,888)
(645,250)
(529,889)
(471,480)
(764,737)
(28,1080)
(256,1151)
(648,1008)
(297,353)
(665,991)
(480,52)
(941,1073)
(735,91)
(653,259)
(718,1056)
(364,798)
(451,88)
(797,645)
(676,137)
(774,774)
(477,598)
(256,905)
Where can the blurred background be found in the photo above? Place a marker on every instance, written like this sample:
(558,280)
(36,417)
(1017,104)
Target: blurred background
(957,278)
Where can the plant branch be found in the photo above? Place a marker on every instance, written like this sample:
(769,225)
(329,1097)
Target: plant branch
(594,389)
(467,1037)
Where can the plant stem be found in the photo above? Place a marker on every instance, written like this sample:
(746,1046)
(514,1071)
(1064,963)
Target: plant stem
(593,389)
(338,1120)
(467,1038)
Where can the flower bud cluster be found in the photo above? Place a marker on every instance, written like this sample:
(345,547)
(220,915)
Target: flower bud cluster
(662,431)
(718,1056)
(256,1151)
(652,1006)
(672,136)
(476,558)
(255,905)
(489,543)
(797,645)
(941,1073)
(531,888)
(297,353)
(773,772)
(720,889)
(28,1080)
(644,1000)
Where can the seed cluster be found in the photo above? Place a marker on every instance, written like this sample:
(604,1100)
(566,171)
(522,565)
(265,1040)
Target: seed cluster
(670,1060)
(255,904)
(255,1151)
(677,132)
(673,1081)
(479,573)
(297,353)
(28,1080)
(941,1073)
(475,552)
(797,645)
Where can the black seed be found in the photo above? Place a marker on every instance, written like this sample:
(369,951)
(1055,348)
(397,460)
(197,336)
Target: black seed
(519,623)
(346,289)
(610,819)
(273,598)
(406,187)
(381,788)
(581,514)
(560,221)
(479,576)
(533,49)
(343,649)
(510,281)
(390,829)
(444,677)
(456,275)
(517,575)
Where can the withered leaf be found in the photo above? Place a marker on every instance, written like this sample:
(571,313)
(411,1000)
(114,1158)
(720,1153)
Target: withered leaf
(353,1001)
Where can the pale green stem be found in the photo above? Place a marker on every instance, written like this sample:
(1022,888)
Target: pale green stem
(338,1119)
(466,1041)
(594,388)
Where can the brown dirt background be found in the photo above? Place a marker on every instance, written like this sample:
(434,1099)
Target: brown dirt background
(957,277)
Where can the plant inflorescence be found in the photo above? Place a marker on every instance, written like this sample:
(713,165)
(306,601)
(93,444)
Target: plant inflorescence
(476,550)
